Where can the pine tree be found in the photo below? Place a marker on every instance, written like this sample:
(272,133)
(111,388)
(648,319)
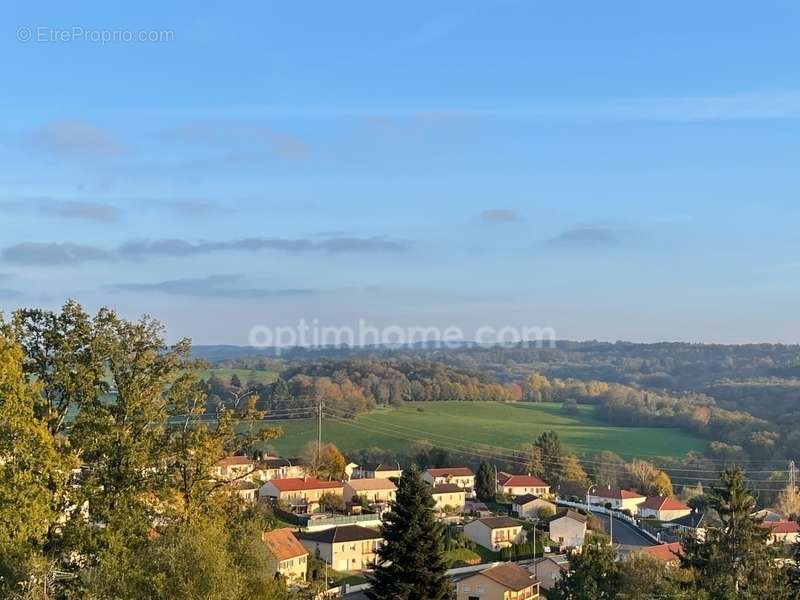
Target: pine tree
(484,483)
(734,561)
(411,562)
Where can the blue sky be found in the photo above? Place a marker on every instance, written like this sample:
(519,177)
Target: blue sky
(624,171)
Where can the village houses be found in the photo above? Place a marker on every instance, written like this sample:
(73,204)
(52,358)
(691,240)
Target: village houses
(663,508)
(463,477)
(782,532)
(378,471)
(549,570)
(568,529)
(344,548)
(448,497)
(617,498)
(530,506)
(507,581)
(374,491)
(301,494)
(520,485)
(288,557)
(495,533)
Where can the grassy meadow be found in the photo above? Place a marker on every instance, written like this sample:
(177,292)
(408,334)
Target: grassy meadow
(506,425)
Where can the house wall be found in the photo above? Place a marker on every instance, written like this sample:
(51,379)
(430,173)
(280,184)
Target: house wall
(663,515)
(479,586)
(346,556)
(629,503)
(455,500)
(532,508)
(521,490)
(494,539)
(310,497)
(784,538)
(548,573)
(466,482)
(371,495)
(294,569)
(568,533)
(281,473)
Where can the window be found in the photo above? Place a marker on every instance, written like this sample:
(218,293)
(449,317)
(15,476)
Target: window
(465,588)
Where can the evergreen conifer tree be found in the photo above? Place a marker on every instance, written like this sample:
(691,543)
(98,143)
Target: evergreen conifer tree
(411,562)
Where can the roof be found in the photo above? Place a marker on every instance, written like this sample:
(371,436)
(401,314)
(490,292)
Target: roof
(694,520)
(507,479)
(616,494)
(510,576)
(663,503)
(781,526)
(447,488)
(499,522)
(277,463)
(451,472)
(282,544)
(293,484)
(345,533)
(569,514)
(363,485)
(527,499)
(665,552)
(560,560)
(383,467)
(230,461)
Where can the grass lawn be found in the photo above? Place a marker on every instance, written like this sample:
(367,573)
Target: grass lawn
(492,423)
(461,557)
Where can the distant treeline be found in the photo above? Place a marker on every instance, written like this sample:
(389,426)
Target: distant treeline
(745,399)
(354,386)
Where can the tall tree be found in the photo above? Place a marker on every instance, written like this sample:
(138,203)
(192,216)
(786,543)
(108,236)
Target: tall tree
(33,470)
(593,575)
(485,487)
(411,562)
(734,561)
(61,354)
(325,462)
(552,451)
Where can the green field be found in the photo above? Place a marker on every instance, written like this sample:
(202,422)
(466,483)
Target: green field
(245,375)
(459,424)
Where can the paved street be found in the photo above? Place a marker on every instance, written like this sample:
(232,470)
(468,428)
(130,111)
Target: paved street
(626,537)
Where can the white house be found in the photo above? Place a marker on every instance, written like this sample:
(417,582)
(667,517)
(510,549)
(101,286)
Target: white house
(568,529)
(495,533)
(617,498)
(663,508)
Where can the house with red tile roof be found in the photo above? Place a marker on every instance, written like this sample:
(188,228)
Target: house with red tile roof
(302,494)
(666,553)
(663,508)
(288,556)
(520,485)
(463,477)
(782,532)
(618,498)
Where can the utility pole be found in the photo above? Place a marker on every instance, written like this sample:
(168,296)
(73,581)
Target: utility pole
(792,477)
(319,434)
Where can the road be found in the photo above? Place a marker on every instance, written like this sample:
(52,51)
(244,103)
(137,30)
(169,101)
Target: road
(626,537)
